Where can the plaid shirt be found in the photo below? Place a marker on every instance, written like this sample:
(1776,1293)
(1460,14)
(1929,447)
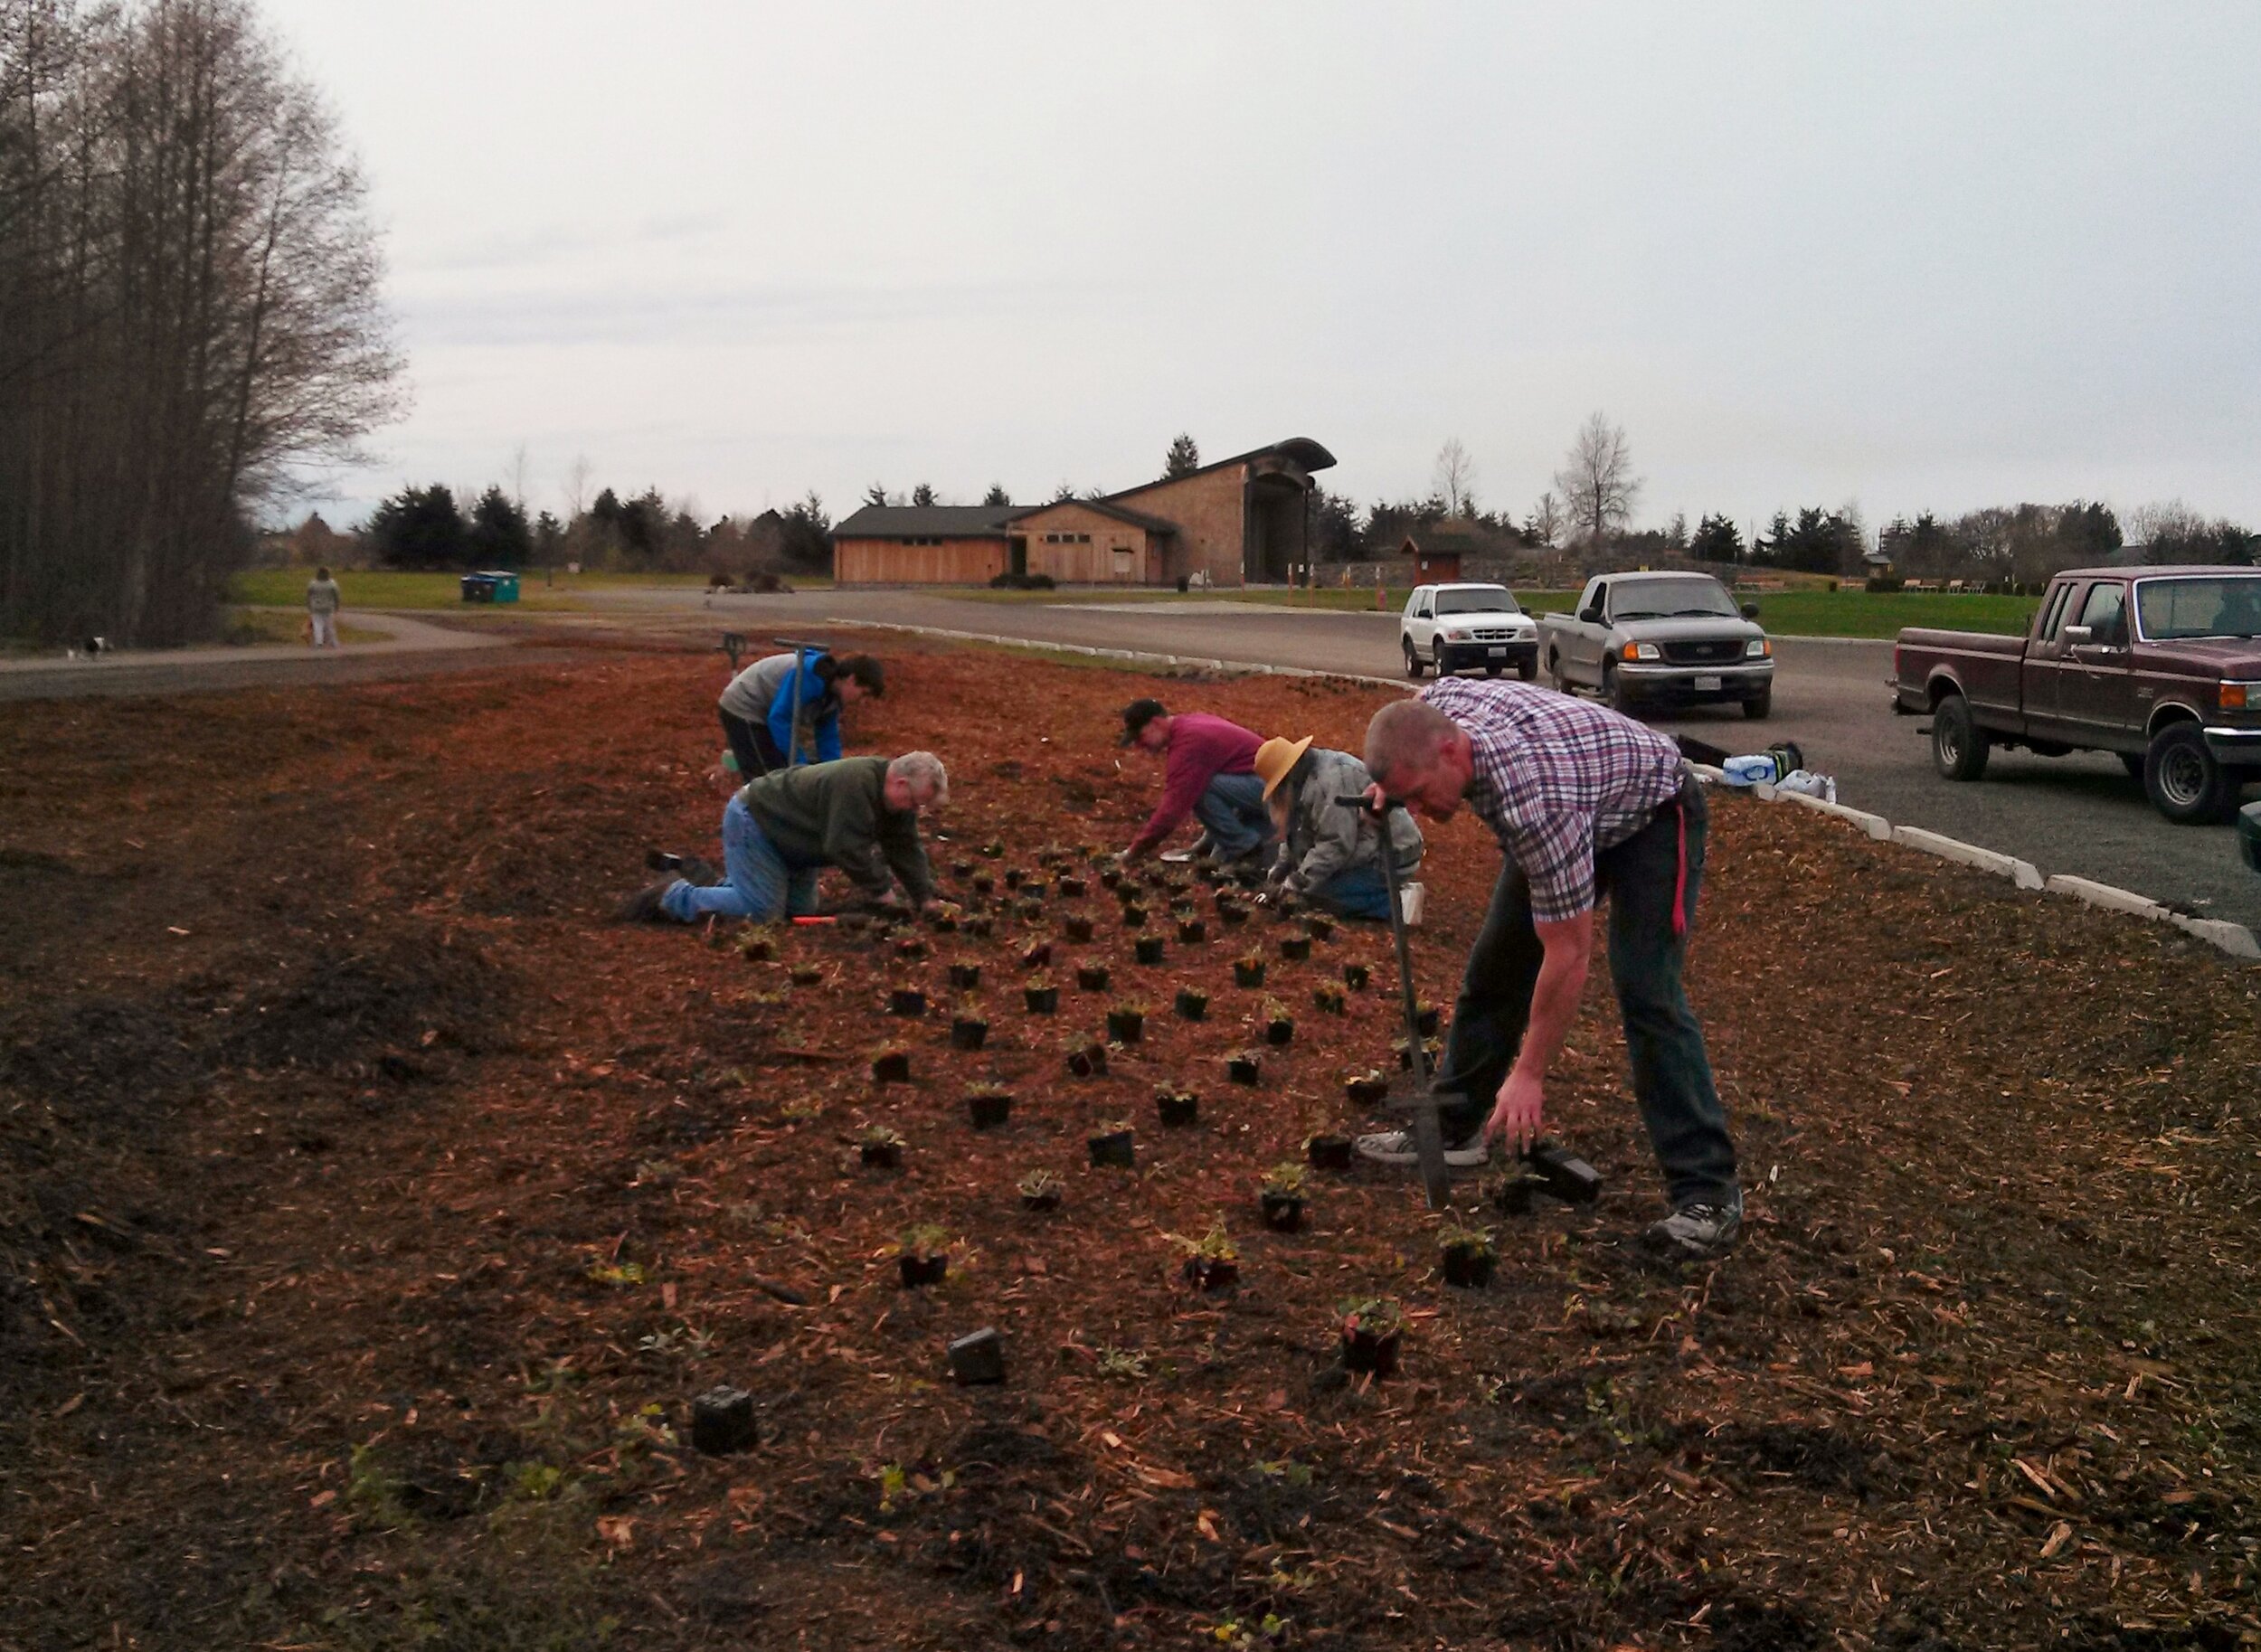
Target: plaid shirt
(1557,779)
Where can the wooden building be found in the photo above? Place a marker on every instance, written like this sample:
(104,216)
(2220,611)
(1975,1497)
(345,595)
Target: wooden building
(1435,561)
(1242,521)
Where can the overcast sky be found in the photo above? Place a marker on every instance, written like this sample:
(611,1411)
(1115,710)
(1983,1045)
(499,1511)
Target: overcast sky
(1926,256)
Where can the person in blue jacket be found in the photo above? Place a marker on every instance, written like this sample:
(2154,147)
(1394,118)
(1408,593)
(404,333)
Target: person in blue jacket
(757,707)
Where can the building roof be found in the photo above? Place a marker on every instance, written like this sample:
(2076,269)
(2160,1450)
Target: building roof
(928,521)
(1105,507)
(1300,451)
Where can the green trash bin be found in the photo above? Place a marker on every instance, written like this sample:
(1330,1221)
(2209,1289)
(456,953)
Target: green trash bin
(504,584)
(478,588)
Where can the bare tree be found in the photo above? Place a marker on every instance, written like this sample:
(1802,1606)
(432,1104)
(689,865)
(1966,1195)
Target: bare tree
(1544,525)
(577,475)
(1455,480)
(1597,480)
(518,477)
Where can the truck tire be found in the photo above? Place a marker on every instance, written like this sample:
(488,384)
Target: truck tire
(1412,660)
(1614,689)
(1959,747)
(2182,779)
(1758,710)
(1526,669)
(1554,677)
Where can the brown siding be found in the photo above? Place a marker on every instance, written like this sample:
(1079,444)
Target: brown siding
(1209,510)
(1096,563)
(890,561)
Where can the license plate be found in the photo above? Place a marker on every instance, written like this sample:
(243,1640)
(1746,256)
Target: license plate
(1498,654)
(1707,686)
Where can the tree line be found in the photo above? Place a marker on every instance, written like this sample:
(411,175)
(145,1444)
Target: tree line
(190,313)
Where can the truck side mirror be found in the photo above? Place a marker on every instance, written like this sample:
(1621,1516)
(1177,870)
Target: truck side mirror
(1591,616)
(1750,610)
(2078,635)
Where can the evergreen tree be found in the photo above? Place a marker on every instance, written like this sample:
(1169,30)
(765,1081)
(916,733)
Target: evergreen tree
(1716,539)
(997,494)
(499,536)
(1184,457)
(924,494)
(419,527)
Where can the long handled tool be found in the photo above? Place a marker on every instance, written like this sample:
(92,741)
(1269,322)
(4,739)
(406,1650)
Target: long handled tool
(1419,1101)
(802,652)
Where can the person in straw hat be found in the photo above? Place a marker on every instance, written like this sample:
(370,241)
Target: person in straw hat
(1330,855)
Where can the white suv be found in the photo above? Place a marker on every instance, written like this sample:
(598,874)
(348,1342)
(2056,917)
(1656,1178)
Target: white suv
(1467,627)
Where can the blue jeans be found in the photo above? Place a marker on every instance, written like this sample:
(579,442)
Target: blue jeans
(1357,891)
(1672,1078)
(757,883)
(1232,811)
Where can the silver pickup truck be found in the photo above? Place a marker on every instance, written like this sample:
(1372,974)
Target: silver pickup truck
(1649,638)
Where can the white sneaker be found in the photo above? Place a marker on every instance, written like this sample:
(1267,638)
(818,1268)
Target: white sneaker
(1396,1147)
(1411,898)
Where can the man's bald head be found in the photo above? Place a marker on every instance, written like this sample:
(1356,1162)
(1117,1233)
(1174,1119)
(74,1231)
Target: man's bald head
(1403,740)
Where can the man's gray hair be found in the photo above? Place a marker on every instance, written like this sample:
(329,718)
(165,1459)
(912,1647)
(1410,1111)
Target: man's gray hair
(1405,735)
(922,772)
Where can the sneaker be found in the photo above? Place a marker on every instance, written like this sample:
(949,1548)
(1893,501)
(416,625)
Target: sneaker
(644,906)
(1396,1147)
(1696,1233)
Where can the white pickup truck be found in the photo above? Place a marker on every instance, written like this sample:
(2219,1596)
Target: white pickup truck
(1646,639)
(1467,627)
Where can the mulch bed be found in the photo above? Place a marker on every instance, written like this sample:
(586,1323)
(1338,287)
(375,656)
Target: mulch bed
(372,1209)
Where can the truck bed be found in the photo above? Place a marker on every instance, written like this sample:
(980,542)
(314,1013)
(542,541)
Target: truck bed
(1985,664)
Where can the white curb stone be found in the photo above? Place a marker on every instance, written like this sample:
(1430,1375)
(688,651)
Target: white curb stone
(2234,938)
(2105,896)
(1876,826)
(2024,873)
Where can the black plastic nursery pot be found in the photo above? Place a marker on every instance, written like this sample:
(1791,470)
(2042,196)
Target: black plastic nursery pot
(1192,932)
(1110,879)
(1014,877)
(757,948)
(967,1035)
(1047,1199)
(1330,1000)
(911,948)
(982,884)
(1073,889)
(1426,1020)
(1369,1090)
(906,1001)
(892,1068)
(1041,1000)
(722,1422)
(1091,978)
(1034,889)
(1283,1213)
(988,1108)
(1279,1031)
(1134,917)
(1211,1272)
(1037,954)
(805,975)
(977,1358)
(1245,974)
(961,868)
(881,1155)
(1178,1109)
(1468,1267)
(919,1270)
(965,977)
(1328,1152)
(1078,929)
(944,923)
(1295,949)
(1147,949)
(1243,1069)
(1088,1063)
(1232,916)
(1118,1149)
(1191,1004)
(1564,1174)
(1356,976)
(1518,1196)
(979,928)
(1367,1354)
(1318,928)
(1126,1026)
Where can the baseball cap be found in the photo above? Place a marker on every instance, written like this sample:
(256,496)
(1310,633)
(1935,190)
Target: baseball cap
(1137,715)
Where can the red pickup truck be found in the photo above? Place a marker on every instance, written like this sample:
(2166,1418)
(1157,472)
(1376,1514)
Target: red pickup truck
(2161,666)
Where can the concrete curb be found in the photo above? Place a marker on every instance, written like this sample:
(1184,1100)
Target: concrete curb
(2233,939)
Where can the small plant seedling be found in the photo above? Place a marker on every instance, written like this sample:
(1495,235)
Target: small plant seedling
(965,976)
(1244,1067)
(1041,997)
(1126,1022)
(1192,932)
(1119,1366)
(1371,1329)
(1431,1049)
(1114,1145)
(1040,1190)
(989,1106)
(969,1028)
(1331,1000)
(1467,1254)
(1289,1178)
(1279,1025)
(1366,1089)
(617,1273)
(1092,977)
(805,975)
(1212,1260)
(946,917)
(1073,889)
(1078,926)
(1037,954)
(1325,1147)
(880,1147)
(1282,1195)
(757,945)
(1248,969)
(923,1252)
(1179,1108)
(1133,915)
(1192,1004)
(1086,1056)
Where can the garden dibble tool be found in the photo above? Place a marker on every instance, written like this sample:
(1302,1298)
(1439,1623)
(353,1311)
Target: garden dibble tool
(1418,1100)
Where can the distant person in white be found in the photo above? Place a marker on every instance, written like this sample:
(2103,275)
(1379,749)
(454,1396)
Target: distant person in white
(322,600)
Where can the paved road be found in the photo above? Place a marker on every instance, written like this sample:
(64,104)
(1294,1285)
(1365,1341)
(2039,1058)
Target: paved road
(2079,815)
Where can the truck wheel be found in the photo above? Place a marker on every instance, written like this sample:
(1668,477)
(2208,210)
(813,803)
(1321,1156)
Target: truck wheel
(1959,747)
(1614,689)
(1413,661)
(1526,669)
(1758,710)
(2182,779)
(1554,672)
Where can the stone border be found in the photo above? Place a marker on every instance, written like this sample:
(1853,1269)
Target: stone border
(2233,939)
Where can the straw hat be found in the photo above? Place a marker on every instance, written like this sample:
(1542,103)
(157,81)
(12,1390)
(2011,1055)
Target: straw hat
(1276,756)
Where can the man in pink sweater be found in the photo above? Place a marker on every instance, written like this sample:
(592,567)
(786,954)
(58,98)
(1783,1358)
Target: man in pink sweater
(1211,776)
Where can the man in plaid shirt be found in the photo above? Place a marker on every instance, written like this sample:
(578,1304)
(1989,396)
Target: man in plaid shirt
(1583,802)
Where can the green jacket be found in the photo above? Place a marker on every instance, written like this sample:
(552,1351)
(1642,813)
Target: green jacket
(836,814)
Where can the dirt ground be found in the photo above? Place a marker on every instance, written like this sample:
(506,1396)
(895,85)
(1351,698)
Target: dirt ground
(371,1208)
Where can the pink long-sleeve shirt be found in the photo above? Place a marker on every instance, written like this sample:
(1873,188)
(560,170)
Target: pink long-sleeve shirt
(1201,748)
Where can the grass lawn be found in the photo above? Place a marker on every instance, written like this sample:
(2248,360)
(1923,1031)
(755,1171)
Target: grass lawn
(247,626)
(385,587)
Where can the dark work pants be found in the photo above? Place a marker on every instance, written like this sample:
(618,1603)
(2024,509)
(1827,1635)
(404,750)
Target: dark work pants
(750,744)
(1672,1072)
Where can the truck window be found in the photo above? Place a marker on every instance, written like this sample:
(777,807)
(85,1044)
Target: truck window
(2053,616)
(2105,614)
(2212,605)
(1587,597)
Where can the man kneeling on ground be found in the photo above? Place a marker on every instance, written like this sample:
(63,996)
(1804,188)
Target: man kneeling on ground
(1210,775)
(1583,802)
(1330,854)
(860,814)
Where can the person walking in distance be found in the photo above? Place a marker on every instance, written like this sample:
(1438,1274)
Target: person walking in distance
(323,601)
(1584,802)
